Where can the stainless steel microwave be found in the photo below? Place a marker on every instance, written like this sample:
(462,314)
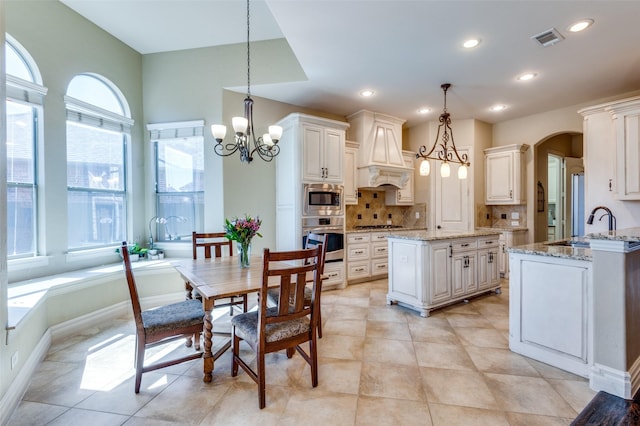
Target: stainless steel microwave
(322,199)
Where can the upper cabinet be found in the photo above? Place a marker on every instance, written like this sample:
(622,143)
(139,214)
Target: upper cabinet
(626,117)
(402,196)
(350,173)
(505,175)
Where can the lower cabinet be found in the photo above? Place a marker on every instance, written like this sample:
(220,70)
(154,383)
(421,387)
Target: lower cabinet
(425,275)
(367,256)
(509,239)
(334,276)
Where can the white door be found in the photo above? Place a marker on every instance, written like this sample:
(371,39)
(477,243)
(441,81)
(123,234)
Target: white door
(452,201)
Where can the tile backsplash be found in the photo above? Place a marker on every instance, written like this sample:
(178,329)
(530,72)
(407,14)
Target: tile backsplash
(503,216)
(371,210)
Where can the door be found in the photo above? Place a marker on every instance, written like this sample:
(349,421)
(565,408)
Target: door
(452,200)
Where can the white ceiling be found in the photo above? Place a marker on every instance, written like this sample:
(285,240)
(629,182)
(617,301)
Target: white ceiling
(404,50)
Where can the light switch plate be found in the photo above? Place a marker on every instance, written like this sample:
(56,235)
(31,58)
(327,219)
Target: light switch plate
(515,223)
(515,215)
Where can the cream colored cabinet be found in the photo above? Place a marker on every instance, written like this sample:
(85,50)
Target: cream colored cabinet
(367,255)
(626,118)
(350,173)
(504,175)
(402,196)
(425,274)
(488,268)
(509,239)
(323,154)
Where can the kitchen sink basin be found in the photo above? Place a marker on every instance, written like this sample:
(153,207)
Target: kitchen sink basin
(569,243)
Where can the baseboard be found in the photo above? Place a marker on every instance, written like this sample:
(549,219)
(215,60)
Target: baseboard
(20,384)
(615,382)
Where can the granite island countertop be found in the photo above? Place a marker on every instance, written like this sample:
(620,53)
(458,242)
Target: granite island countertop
(442,235)
(629,235)
(555,249)
(502,228)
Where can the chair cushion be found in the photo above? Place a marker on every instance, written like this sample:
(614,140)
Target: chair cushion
(169,317)
(247,327)
(274,293)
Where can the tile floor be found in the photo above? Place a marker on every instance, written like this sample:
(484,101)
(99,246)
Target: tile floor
(379,365)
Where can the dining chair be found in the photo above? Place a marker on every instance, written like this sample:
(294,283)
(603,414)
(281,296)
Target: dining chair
(312,241)
(217,241)
(287,325)
(161,325)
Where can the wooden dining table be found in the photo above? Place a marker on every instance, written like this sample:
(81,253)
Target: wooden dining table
(215,279)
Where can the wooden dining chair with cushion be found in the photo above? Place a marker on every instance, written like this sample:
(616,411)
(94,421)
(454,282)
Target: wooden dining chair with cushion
(161,325)
(215,241)
(312,241)
(287,325)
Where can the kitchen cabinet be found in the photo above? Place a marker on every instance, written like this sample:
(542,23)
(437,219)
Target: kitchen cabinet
(505,175)
(334,275)
(402,196)
(509,239)
(350,173)
(367,256)
(323,150)
(428,270)
(626,117)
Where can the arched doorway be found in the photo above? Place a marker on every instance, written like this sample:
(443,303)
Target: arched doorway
(556,159)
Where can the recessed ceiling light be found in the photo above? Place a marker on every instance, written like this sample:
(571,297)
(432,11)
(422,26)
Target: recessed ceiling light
(527,76)
(497,108)
(367,93)
(580,25)
(424,110)
(471,43)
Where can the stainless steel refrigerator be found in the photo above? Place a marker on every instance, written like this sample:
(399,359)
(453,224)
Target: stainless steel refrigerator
(577,205)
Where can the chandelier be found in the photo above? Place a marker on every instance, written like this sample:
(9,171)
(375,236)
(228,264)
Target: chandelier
(443,151)
(266,146)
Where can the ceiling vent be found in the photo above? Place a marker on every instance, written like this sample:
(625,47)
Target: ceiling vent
(548,38)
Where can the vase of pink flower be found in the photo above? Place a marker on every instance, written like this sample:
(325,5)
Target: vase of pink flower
(242,230)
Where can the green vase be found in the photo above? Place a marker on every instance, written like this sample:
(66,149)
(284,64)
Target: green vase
(244,254)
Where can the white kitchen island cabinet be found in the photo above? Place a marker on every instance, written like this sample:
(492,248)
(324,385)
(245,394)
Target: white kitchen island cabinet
(431,269)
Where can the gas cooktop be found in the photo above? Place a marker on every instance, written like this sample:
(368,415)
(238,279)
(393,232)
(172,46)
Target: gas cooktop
(377,226)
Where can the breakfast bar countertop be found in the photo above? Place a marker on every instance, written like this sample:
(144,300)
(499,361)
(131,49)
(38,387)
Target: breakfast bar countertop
(443,235)
(553,249)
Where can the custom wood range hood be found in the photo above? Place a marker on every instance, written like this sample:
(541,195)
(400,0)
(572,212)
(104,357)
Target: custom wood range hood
(380,159)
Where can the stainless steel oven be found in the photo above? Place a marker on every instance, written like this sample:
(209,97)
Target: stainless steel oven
(333,228)
(322,199)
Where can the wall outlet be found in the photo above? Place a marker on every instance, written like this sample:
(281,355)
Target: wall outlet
(515,215)
(515,223)
(389,222)
(14,360)
(503,216)
(417,215)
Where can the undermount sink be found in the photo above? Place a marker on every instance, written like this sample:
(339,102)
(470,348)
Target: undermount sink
(569,243)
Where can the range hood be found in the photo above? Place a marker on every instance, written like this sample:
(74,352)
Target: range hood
(380,160)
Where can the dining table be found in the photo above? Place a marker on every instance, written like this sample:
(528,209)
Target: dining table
(221,278)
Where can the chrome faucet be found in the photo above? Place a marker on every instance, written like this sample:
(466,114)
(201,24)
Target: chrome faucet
(612,218)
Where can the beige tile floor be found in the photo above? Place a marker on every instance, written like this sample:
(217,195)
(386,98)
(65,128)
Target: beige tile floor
(379,365)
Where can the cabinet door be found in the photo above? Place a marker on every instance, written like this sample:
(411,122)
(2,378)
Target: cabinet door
(440,275)
(627,128)
(503,259)
(499,185)
(313,168)
(350,176)
(332,155)
(487,268)
(463,273)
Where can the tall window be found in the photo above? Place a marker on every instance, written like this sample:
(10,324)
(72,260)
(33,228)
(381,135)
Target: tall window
(24,106)
(98,129)
(179,164)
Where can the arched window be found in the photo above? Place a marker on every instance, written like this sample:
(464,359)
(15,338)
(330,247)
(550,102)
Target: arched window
(25,94)
(98,129)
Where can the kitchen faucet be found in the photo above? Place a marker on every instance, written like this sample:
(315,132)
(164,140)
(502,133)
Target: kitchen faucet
(612,218)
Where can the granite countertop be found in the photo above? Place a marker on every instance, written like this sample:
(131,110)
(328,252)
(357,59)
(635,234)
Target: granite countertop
(629,234)
(502,228)
(408,228)
(443,235)
(546,249)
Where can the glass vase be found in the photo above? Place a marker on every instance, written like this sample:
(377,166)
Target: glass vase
(244,254)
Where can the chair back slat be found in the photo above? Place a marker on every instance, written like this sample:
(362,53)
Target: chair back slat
(131,283)
(292,281)
(207,240)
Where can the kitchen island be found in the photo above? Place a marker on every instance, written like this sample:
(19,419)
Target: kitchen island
(578,308)
(432,269)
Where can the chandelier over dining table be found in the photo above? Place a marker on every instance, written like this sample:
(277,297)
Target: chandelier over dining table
(444,151)
(245,142)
